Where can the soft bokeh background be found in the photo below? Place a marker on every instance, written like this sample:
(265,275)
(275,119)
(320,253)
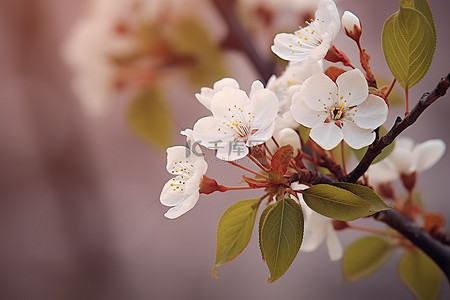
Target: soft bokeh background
(80,216)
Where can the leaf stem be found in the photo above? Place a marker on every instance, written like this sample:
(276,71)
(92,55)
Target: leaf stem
(247,169)
(343,158)
(258,163)
(407,101)
(235,188)
(390,88)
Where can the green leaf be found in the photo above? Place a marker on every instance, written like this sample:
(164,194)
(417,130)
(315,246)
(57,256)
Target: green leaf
(335,202)
(191,37)
(364,256)
(424,7)
(234,231)
(420,274)
(359,153)
(281,236)
(262,220)
(408,42)
(148,116)
(365,193)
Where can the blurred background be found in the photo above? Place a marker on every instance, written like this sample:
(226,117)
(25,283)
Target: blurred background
(80,216)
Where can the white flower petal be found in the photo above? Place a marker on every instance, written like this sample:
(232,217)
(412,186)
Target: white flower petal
(256,86)
(264,106)
(318,92)
(223,102)
(232,150)
(225,82)
(207,133)
(261,136)
(328,12)
(315,231)
(383,171)
(335,250)
(193,183)
(428,153)
(402,156)
(180,153)
(353,88)
(206,94)
(357,137)
(283,44)
(284,121)
(169,197)
(305,115)
(404,143)
(182,208)
(372,113)
(326,135)
(319,52)
(289,136)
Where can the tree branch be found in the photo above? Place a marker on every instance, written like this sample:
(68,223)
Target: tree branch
(399,126)
(312,177)
(239,39)
(419,237)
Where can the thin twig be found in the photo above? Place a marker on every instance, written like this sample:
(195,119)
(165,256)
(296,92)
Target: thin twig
(240,40)
(419,237)
(399,126)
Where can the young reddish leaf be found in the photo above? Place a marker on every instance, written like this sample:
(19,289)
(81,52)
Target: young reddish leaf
(365,256)
(281,158)
(434,222)
(255,183)
(234,231)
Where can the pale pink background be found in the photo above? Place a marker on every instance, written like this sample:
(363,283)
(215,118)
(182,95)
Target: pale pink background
(80,216)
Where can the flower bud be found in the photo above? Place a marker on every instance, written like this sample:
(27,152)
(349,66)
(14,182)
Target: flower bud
(288,136)
(351,25)
(209,185)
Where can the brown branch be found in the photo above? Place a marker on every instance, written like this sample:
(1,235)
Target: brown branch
(399,126)
(240,40)
(312,177)
(419,237)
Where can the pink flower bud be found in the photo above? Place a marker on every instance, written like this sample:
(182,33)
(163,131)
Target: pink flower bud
(351,25)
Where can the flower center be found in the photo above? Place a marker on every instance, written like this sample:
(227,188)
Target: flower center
(186,169)
(336,113)
(240,123)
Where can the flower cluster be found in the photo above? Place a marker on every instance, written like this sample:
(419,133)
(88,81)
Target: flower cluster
(289,130)
(262,125)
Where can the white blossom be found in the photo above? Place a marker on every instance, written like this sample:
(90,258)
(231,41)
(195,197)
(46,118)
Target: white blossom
(289,82)
(341,110)
(206,94)
(238,121)
(407,158)
(311,43)
(351,25)
(182,191)
(318,229)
